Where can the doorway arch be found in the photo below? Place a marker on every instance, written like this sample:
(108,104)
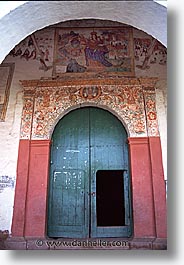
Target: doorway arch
(89,191)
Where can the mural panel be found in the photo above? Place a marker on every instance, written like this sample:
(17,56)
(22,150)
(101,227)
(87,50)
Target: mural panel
(80,50)
(148,52)
(38,46)
(6,73)
(92,50)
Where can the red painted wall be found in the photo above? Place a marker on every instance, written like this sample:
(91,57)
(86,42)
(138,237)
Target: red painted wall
(36,204)
(159,190)
(29,218)
(18,222)
(148,188)
(142,193)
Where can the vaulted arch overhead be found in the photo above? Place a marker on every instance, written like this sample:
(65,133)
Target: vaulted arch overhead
(147,16)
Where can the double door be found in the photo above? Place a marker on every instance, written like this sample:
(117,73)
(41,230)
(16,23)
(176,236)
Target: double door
(89,191)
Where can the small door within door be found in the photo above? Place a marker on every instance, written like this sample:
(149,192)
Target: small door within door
(110,204)
(89,177)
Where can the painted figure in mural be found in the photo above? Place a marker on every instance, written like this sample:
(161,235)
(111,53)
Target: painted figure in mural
(149,52)
(96,50)
(97,55)
(92,49)
(69,46)
(74,67)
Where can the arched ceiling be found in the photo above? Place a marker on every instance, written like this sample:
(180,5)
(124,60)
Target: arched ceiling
(32,16)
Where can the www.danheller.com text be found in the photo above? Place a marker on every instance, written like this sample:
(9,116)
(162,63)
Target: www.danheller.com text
(81,243)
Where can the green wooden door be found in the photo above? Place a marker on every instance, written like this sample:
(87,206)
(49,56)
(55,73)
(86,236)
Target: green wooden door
(110,213)
(69,177)
(89,177)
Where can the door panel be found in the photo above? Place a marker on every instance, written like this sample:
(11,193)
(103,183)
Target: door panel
(109,152)
(89,148)
(69,177)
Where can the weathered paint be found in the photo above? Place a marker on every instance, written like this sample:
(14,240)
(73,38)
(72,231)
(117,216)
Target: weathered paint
(10,128)
(21,189)
(148,188)
(85,141)
(148,202)
(40,15)
(159,190)
(142,189)
(30,205)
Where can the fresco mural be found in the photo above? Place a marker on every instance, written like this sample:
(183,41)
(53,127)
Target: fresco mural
(94,50)
(38,46)
(148,52)
(104,50)
(6,73)
(45,101)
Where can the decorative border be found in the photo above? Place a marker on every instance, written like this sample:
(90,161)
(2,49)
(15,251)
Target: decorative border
(44,105)
(151,113)
(3,107)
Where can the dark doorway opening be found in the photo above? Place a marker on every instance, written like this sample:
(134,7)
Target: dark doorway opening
(110,198)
